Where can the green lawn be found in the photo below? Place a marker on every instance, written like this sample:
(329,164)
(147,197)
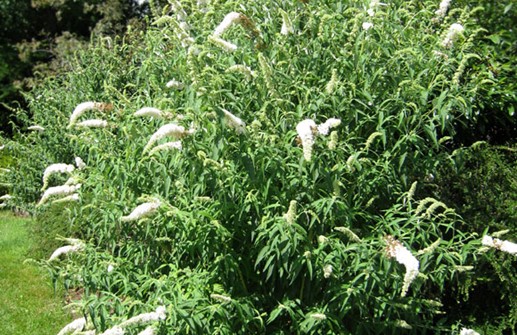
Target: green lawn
(28,305)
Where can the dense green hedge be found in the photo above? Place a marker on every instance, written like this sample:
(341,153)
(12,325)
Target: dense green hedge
(249,230)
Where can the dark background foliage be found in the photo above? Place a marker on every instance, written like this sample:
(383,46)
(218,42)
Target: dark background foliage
(36,35)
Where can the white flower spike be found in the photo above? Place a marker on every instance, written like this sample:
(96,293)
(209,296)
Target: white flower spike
(36,128)
(404,257)
(73,327)
(306,130)
(466,331)
(152,112)
(454,30)
(158,315)
(76,245)
(141,211)
(169,130)
(86,106)
(166,147)
(228,20)
(324,128)
(56,168)
(58,191)
(235,122)
(502,245)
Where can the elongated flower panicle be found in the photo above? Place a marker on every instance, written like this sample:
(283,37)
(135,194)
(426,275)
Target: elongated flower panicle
(502,245)
(349,233)
(319,316)
(158,315)
(86,106)
(287,25)
(174,84)
(220,297)
(92,123)
(329,88)
(79,163)
(152,112)
(36,128)
(234,122)
(168,130)
(306,130)
(76,246)
(73,327)
(327,271)
(141,211)
(442,10)
(324,128)
(291,214)
(225,45)
(228,20)
(176,145)
(114,331)
(58,191)
(6,197)
(242,69)
(403,256)
(70,198)
(56,168)
(454,30)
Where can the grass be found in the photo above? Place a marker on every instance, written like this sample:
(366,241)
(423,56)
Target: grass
(28,304)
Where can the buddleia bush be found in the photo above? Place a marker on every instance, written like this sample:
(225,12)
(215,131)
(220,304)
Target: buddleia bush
(260,168)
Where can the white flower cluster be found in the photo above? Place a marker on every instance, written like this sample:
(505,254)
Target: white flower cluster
(141,211)
(76,245)
(502,245)
(325,127)
(307,129)
(452,34)
(58,191)
(319,316)
(168,130)
(92,123)
(174,84)
(374,4)
(229,19)
(69,198)
(327,271)
(246,70)
(158,315)
(404,257)
(114,331)
(152,112)
(220,297)
(79,163)
(225,45)
(442,10)
(73,327)
(4,198)
(466,331)
(235,122)
(287,25)
(367,25)
(176,145)
(56,168)
(36,128)
(86,106)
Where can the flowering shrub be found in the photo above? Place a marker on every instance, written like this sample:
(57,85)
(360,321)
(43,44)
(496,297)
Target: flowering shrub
(296,197)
